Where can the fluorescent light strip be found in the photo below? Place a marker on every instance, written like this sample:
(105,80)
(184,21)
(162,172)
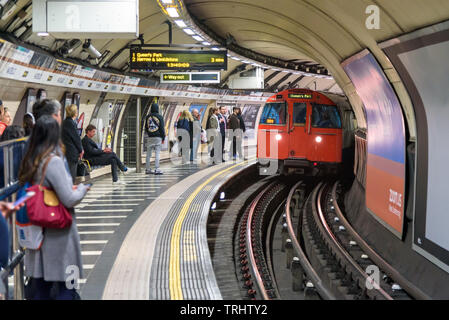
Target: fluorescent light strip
(172,12)
(197,38)
(215,49)
(206,43)
(180,23)
(167,1)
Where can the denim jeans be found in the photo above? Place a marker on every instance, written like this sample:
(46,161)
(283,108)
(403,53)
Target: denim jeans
(156,144)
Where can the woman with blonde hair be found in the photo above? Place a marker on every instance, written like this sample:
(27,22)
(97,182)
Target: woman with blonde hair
(71,139)
(185,126)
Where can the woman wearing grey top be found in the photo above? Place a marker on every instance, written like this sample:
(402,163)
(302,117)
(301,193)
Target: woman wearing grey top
(56,267)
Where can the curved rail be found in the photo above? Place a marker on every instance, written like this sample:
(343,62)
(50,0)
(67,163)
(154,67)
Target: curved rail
(335,244)
(410,288)
(249,245)
(308,269)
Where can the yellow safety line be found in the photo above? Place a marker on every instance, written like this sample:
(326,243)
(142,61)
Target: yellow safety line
(175,264)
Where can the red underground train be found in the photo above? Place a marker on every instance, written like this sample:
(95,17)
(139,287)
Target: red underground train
(302,130)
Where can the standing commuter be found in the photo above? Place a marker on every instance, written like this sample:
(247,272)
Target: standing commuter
(96,156)
(61,248)
(213,134)
(223,121)
(234,125)
(47,107)
(185,128)
(242,133)
(28,123)
(196,134)
(155,129)
(71,139)
(6,209)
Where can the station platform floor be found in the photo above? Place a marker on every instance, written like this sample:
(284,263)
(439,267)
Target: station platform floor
(147,238)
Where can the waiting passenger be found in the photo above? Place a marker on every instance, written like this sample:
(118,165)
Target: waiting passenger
(196,134)
(214,135)
(185,122)
(12,132)
(50,107)
(71,139)
(5,120)
(28,123)
(234,125)
(61,248)
(96,156)
(155,129)
(6,209)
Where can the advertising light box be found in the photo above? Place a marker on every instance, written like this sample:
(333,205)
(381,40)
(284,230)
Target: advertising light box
(385,175)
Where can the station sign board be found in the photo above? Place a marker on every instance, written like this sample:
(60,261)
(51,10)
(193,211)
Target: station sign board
(190,77)
(146,60)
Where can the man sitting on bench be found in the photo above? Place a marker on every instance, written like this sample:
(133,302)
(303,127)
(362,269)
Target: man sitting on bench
(96,156)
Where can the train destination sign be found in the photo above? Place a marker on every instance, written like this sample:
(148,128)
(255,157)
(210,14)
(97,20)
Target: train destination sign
(300,96)
(144,60)
(190,77)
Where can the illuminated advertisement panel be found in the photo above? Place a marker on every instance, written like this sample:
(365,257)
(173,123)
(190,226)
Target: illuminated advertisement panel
(421,59)
(385,173)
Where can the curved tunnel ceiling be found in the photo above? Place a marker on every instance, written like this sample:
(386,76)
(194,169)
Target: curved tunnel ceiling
(323,32)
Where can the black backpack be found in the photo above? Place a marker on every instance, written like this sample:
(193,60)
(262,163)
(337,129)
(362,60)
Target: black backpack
(152,124)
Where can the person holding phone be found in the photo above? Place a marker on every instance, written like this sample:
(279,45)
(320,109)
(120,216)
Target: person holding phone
(60,248)
(6,209)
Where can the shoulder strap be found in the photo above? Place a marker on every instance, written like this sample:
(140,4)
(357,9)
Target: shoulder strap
(44,170)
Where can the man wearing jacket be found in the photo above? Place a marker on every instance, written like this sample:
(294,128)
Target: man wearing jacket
(223,127)
(155,129)
(96,156)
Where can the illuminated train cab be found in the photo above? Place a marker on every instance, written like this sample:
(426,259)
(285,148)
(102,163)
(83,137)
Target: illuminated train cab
(302,130)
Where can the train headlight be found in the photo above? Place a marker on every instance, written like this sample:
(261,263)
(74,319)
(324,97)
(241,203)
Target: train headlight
(278,137)
(318,139)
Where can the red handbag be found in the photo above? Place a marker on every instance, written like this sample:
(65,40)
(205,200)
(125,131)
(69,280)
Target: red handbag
(45,209)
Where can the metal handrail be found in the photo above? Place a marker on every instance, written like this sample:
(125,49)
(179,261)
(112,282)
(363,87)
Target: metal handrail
(11,186)
(308,269)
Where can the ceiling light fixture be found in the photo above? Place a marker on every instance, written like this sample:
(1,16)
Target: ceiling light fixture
(206,43)
(197,38)
(172,12)
(189,31)
(180,23)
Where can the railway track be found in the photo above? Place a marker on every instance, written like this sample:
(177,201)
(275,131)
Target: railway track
(323,252)
(334,259)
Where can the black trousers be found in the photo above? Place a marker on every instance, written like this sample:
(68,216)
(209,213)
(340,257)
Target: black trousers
(72,167)
(223,139)
(108,158)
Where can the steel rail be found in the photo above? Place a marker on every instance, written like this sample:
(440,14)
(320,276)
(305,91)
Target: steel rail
(337,248)
(308,269)
(409,287)
(249,244)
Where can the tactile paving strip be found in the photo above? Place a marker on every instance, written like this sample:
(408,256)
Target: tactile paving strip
(197,277)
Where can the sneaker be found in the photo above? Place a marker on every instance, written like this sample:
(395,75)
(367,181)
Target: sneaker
(118,182)
(158,172)
(149,171)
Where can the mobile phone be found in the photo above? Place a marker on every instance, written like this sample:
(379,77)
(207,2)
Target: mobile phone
(24,198)
(89,185)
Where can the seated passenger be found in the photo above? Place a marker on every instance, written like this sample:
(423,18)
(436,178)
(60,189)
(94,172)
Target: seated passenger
(325,122)
(96,156)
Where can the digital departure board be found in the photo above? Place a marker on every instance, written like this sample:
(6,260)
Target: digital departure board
(145,60)
(300,96)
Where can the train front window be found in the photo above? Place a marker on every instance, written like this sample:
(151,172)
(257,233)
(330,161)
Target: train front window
(324,116)
(299,113)
(274,113)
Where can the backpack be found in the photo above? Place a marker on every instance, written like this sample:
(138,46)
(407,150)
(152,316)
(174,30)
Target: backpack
(152,124)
